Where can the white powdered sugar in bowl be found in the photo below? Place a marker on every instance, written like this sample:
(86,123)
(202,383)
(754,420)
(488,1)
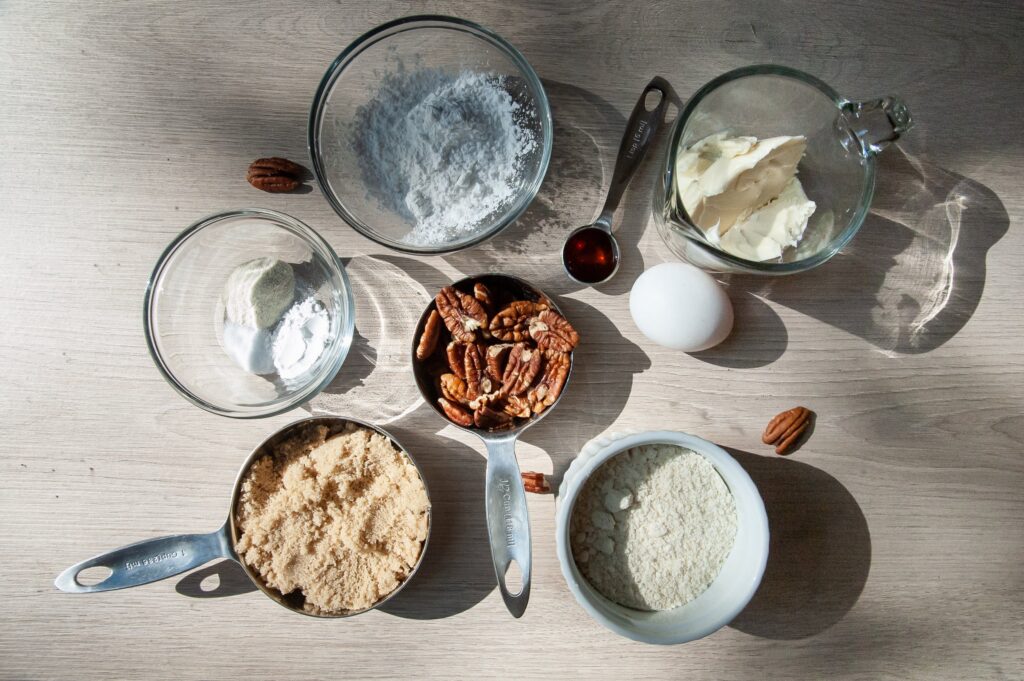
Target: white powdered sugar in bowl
(444,150)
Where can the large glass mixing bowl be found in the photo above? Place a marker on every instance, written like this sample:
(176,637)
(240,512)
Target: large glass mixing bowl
(185,316)
(353,82)
(837,170)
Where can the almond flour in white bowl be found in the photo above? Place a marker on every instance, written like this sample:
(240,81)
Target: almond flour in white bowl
(653,526)
(731,588)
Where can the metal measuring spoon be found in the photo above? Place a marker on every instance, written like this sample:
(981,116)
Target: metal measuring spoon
(590,254)
(155,559)
(508,522)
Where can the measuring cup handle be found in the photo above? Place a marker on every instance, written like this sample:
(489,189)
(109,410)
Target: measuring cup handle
(640,131)
(148,561)
(878,122)
(508,522)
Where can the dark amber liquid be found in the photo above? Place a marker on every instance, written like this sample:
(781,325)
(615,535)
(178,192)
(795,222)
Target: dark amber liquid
(589,255)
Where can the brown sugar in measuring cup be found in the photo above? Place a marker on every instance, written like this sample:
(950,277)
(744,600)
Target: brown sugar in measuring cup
(155,559)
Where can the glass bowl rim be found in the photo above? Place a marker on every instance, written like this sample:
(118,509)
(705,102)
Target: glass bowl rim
(318,245)
(415,22)
(837,243)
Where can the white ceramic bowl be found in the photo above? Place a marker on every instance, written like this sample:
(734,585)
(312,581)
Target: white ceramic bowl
(728,594)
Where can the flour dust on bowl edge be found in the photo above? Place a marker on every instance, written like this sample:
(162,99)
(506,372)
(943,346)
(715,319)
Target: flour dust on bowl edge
(730,591)
(395,134)
(192,341)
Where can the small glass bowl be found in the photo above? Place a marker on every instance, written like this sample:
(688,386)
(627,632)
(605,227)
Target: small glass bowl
(184,311)
(353,81)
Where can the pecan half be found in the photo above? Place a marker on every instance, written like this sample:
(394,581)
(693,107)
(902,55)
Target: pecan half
(513,323)
(477,381)
(550,384)
(552,331)
(522,367)
(785,428)
(497,357)
(462,314)
(517,405)
(494,400)
(275,174)
(457,358)
(453,388)
(483,294)
(535,483)
(491,419)
(431,332)
(457,414)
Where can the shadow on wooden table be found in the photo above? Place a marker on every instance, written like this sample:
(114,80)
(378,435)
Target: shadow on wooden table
(375,382)
(914,274)
(758,337)
(457,572)
(820,551)
(218,580)
(604,368)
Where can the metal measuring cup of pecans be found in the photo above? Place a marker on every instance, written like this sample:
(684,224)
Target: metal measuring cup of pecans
(492,354)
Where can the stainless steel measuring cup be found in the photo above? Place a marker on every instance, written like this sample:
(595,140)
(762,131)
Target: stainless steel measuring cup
(155,559)
(508,522)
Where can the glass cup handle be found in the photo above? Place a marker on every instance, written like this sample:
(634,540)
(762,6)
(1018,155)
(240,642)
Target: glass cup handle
(877,122)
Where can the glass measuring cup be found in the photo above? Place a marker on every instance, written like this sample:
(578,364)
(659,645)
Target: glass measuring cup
(837,170)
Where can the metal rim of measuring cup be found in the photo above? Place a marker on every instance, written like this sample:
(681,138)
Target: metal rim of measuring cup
(516,603)
(221,543)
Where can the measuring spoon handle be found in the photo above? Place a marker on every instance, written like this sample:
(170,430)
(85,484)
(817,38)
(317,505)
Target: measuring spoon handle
(148,561)
(640,131)
(508,521)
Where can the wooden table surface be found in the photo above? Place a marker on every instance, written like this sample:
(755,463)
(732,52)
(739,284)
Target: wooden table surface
(897,537)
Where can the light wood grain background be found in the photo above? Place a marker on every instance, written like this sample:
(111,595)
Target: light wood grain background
(897,530)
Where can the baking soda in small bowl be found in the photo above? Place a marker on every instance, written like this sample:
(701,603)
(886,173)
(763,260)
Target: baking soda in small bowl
(269,330)
(300,338)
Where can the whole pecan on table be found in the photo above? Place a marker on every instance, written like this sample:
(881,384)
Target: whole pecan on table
(786,428)
(499,367)
(275,174)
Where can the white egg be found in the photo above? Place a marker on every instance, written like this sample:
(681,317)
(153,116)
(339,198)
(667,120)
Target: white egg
(681,307)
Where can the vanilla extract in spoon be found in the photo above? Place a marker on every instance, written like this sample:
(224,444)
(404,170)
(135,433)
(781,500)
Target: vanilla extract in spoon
(590,254)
